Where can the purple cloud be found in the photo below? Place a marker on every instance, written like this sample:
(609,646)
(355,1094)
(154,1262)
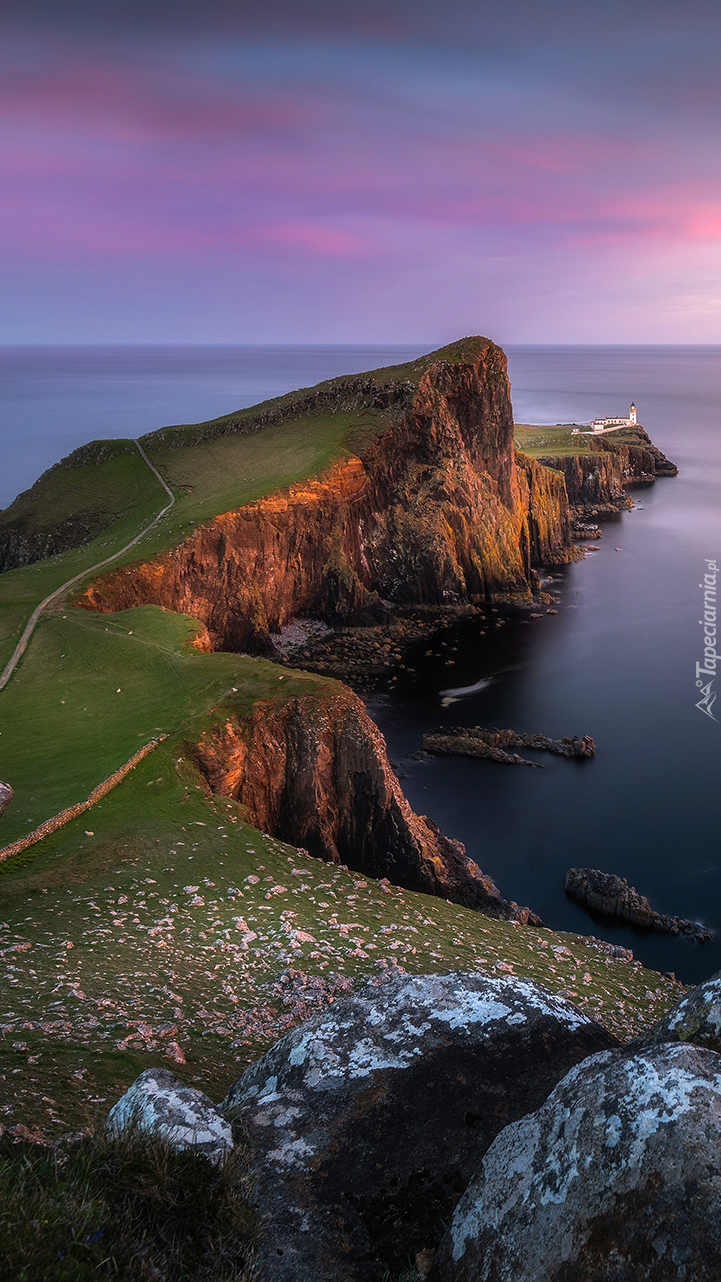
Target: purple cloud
(339,165)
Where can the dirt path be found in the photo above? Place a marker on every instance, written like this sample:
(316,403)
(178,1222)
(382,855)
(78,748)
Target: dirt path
(30,625)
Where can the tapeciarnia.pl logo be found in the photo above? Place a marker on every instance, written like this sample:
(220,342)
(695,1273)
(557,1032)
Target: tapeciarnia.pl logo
(706,671)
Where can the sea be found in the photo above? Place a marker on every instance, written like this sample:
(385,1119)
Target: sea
(617,661)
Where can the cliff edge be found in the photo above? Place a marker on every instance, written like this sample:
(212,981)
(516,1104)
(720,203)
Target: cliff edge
(314,772)
(432,508)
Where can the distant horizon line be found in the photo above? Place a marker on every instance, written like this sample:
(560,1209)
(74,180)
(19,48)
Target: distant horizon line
(432,345)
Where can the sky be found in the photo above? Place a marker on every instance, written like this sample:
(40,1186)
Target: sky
(392,171)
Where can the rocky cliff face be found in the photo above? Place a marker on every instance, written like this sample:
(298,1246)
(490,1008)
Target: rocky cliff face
(600,476)
(315,772)
(589,478)
(436,510)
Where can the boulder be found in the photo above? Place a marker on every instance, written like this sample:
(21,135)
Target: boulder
(6,796)
(367,1122)
(158,1103)
(616,1178)
(696,1018)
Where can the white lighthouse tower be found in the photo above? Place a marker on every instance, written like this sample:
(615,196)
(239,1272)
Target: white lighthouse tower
(632,415)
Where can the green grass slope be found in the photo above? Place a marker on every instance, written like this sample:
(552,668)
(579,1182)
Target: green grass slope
(559,440)
(165,917)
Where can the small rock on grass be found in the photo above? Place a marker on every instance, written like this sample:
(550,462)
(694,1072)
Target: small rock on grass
(6,796)
(159,1103)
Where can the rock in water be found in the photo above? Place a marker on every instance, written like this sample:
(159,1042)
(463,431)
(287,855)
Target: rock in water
(157,1102)
(695,1019)
(616,1178)
(367,1122)
(604,892)
(6,796)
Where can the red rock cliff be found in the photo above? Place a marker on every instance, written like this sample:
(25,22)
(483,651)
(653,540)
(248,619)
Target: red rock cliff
(436,510)
(315,772)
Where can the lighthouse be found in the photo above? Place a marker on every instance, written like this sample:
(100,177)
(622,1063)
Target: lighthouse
(632,414)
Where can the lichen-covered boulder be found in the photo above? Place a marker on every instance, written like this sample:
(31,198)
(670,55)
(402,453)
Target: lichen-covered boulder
(616,1178)
(368,1121)
(696,1018)
(158,1103)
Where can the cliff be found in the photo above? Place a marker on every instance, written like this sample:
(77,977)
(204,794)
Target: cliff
(434,509)
(600,473)
(314,772)
(70,504)
(590,478)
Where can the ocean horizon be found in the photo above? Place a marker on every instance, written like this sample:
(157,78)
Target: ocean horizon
(56,397)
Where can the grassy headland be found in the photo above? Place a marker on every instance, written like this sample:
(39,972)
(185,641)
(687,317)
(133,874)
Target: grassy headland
(541,441)
(161,916)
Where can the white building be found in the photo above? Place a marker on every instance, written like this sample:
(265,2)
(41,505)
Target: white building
(604,424)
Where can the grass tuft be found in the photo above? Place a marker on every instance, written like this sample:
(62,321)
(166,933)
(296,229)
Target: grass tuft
(123,1207)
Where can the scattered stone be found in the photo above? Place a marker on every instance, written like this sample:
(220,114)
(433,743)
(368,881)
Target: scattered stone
(159,1103)
(424,1261)
(21,1134)
(367,1122)
(174,1052)
(604,892)
(617,1176)
(6,796)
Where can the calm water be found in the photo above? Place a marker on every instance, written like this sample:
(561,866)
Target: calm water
(616,662)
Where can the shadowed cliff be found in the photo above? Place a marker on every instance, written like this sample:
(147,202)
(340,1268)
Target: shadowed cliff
(315,772)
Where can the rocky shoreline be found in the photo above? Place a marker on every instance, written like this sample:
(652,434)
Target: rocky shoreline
(364,657)
(605,893)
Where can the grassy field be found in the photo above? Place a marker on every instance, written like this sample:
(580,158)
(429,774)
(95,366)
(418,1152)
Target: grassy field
(166,917)
(129,489)
(94,687)
(559,440)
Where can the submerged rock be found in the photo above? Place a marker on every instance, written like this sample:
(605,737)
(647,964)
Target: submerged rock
(159,1103)
(368,1122)
(616,1178)
(604,892)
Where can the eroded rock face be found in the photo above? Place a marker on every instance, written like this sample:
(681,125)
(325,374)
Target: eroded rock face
(696,1018)
(616,1177)
(159,1103)
(436,510)
(6,796)
(368,1122)
(315,772)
